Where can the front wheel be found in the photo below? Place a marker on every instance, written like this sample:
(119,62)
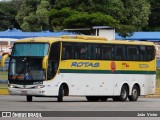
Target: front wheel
(134,95)
(61,94)
(29,98)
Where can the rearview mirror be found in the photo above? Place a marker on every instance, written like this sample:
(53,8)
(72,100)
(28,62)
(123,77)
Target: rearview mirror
(45,62)
(4,57)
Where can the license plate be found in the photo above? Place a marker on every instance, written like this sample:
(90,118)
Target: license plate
(23,92)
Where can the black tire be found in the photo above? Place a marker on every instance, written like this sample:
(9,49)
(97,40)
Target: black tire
(135,93)
(92,98)
(60,94)
(124,94)
(29,98)
(103,98)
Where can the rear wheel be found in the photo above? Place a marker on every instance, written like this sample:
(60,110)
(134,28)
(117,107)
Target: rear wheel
(29,98)
(92,98)
(124,94)
(135,93)
(103,98)
(61,94)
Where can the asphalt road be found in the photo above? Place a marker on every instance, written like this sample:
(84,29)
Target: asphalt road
(18,103)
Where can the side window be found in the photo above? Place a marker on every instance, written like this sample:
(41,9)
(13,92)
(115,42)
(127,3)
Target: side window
(67,51)
(142,53)
(150,51)
(132,53)
(94,52)
(80,51)
(120,53)
(107,52)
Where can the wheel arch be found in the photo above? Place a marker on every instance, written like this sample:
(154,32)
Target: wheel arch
(126,84)
(65,87)
(138,86)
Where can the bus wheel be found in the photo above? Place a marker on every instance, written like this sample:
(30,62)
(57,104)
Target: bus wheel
(29,98)
(60,94)
(135,93)
(103,98)
(92,98)
(124,94)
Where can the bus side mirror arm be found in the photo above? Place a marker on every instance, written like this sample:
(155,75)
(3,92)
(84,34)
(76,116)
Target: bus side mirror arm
(45,62)
(3,60)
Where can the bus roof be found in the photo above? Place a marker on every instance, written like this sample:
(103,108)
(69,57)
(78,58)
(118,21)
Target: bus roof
(84,39)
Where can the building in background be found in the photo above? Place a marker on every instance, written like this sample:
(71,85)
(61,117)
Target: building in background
(105,31)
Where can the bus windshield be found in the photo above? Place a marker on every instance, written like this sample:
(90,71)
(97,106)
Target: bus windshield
(30,49)
(26,68)
(26,61)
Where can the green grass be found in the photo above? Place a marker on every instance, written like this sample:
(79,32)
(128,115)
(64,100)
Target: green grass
(3,85)
(158,74)
(3,75)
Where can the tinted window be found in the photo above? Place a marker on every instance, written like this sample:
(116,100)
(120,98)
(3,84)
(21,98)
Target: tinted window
(132,53)
(107,52)
(150,53)
(30,49)
(120,52)
(142,53)
(67,51)
(80,51)
(94,52)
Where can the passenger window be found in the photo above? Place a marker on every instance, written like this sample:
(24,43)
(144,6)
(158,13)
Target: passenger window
(80,51)
(150,51)
(132,53)
(107,52)
(94,52)
(120,53)
(67,51)
(142,53)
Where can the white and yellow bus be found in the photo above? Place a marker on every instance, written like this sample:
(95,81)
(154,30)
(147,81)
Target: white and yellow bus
(88,66)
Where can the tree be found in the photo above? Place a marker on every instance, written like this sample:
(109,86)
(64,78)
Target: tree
(131,15)
(26,13)
(124,15)
(33,15)
(84,19)
(154,18)
(109,7)
(7,13)
(136,14)
(16,4)
(42,14)
(57,17)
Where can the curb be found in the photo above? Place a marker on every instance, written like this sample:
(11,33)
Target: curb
(3,91)
(152,96)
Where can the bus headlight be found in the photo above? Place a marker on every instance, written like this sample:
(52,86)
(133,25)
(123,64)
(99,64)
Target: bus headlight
(11,86)
(39,86)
